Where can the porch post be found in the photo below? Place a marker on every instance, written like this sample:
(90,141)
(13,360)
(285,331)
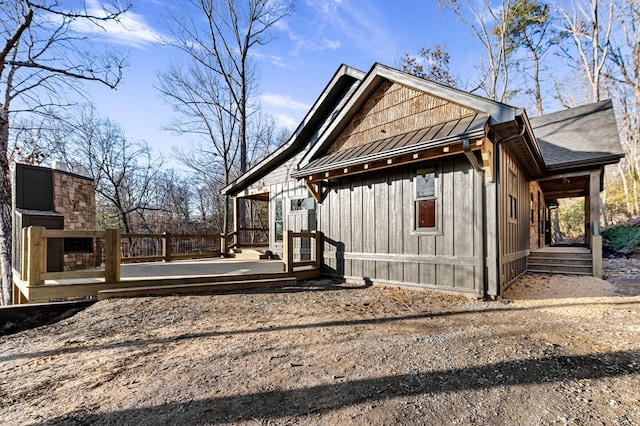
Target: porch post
(594,203)
(236,219)
(594,224)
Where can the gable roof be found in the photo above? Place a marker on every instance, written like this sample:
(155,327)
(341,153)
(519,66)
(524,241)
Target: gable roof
(496,112)
(341,82)
(578,137)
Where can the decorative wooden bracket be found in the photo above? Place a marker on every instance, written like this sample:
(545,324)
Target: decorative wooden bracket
(315,189)
(487,159)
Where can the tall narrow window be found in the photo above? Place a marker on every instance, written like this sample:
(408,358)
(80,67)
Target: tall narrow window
(278,224)
(426,198)
(512,190)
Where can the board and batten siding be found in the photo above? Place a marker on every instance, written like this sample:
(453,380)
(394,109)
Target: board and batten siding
(514,232)
(369,229)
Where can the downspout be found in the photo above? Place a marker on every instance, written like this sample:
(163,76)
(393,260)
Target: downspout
(496,168)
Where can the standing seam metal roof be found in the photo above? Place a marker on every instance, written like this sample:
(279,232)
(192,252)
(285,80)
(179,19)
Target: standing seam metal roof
(441,134)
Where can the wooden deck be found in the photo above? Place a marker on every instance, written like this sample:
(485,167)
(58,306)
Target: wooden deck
(217,273)
(159,275)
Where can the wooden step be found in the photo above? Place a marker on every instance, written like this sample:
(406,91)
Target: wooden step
(160,290)
(561,269)
(560,262)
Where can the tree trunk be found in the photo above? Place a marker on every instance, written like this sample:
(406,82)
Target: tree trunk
(6,222)
(625,188)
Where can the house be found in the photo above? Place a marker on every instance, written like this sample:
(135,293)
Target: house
(416,184)
(55,199)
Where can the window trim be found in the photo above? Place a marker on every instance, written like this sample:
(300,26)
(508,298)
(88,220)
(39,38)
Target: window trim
(512,195)
(276,221)
(437,189)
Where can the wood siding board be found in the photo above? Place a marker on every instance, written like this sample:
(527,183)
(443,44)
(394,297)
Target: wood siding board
(368,205)
(463,231)
(396,224)
(346,225)
(357,243)
(410,240)
(381,227)
(444,240)
(334,226)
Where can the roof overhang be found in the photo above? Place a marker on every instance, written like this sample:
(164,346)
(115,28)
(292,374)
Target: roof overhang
(570,184)
(431,142)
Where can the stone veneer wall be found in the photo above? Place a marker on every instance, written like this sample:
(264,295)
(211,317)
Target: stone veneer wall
(74,196)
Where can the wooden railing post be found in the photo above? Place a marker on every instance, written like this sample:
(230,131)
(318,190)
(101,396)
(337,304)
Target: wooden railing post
(112,255)
(37,255)
(318,259)
(287,251)
(24,256)
(166,247)
(223,245)
(98,243)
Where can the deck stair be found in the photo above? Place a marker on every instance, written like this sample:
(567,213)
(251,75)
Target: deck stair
(250,253)
(561,260)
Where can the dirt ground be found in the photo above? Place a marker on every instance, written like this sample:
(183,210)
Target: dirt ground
(558,350)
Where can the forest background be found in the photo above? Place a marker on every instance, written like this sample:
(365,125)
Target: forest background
(540,55)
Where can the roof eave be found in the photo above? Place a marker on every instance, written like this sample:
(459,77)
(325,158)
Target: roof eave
(439,143)
(275,157)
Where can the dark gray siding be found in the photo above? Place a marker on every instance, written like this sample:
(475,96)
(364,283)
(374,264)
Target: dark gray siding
(368,224)
(514,234)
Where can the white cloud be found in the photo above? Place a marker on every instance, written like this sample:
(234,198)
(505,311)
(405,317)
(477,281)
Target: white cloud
(283,101)
(131,30)
(285,120)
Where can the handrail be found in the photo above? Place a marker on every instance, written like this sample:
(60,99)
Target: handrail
(315,250)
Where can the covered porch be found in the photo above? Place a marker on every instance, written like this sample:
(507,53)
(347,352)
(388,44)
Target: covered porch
(581,259)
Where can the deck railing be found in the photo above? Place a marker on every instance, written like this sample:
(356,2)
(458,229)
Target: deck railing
(253,237)
(301,249)
(168,247)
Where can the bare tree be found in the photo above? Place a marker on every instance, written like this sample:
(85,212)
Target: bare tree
(528,26)
(590,28)
(41,55)
(625,75)
(214,92)
(488,25)
(124,171)
(431,64)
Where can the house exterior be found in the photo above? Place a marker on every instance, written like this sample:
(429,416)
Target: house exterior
(419,185)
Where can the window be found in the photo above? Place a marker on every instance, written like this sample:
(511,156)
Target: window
(426,198)
(279,228)
(512,190)
(303,204)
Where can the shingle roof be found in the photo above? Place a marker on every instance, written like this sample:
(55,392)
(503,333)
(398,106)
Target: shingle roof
(441,134)
(584,135)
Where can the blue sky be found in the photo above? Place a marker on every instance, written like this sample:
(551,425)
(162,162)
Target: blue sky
(307,49)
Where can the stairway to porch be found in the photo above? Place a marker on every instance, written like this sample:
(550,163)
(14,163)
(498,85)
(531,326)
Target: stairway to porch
(561,260)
